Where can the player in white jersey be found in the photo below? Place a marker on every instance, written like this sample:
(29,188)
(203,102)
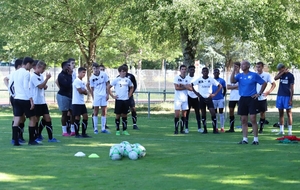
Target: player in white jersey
(205,95)
(78,104)
(234,97)
(10,86)
(262,99)
(23,102)
(38,85)
(181,84)
(121,85)
(98,83)
(193,100)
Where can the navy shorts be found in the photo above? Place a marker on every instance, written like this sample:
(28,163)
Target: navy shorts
(121,106)
(206,102)
(41,109)
(78,109)
(248,105)
(22,107)
(131,102)
(232,103)
(262,106)
(193,103)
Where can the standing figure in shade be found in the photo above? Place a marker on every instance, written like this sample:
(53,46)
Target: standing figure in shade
(193,101)
(131,99)
(218,100)
(38,85)
(205,95)
(248,103)
(23,102)
(262,100)
(121,85)
(181,99)
(285,97)
(98,84)
(78,105)
(234,97)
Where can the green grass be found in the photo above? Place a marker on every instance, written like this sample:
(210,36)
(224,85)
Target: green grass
(191,161)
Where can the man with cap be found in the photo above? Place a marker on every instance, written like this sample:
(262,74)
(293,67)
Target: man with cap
(285,97)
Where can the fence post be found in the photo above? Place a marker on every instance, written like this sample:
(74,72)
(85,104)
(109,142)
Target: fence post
(148,104)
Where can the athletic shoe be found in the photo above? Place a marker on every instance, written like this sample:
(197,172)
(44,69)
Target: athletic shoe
(135,127)
(17,144)
(72,134)
(53,140)
(22,141)
(243,142)
(186,131)
(65,134)
(255,143)
(222,130)
(216,132)
(85,136)
(33,143)
(182,132)
(200,130)
(175,132)
(105,131)
(260,131)
(217,129)
(78,136)
(289,133)
(125,133)
(230,131)
(204,132)
(118,133)
(40,137)
(96,131)
(280,133)
(39,140)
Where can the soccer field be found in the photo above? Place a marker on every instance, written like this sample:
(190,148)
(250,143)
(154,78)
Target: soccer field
(192,161)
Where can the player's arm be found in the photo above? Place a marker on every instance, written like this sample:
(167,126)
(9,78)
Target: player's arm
(133,80)
(224,90)
(108,89)
(43,85)
(280,74)
(263,87)
(232,87)
(6,81)
(292,94)
(179,87)
(82,91)
(217,91)
(131,89)
(273,85)
(90,89)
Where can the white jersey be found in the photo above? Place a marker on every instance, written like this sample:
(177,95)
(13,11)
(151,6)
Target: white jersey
(205,86)
(99,84)
(269,79)
(74,75)
(78,98)
(190,80)
(121,86)
(38,95)
(234,94)
(20,80)
(10,86)
(181,95)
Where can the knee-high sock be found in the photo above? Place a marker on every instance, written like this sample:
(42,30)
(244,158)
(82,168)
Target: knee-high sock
(41,127)
(176,123)
(117,121)
(84,126)
(231,120)
(103,122)
(204,122)
(222,120)
(31,130)
(21,130)
(77,126)
(49,129)
(214,122)
(95,122)
(124,123)
(261,123)
(183,121)
(15,133)
(134,117)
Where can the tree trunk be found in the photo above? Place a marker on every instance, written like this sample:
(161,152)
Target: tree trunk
(189,47)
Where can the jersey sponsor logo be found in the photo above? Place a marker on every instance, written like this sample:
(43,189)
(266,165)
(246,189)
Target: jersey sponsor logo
(250,77)
(39,79)
(179,80)
(200,81)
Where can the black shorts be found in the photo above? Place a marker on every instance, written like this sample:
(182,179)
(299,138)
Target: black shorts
(41,109)
(12,101)
(248,105)
(131,102)
(232,104)
(262,106)
(22,107)
(193,103)
(78,109)
(121,106)
(206,102)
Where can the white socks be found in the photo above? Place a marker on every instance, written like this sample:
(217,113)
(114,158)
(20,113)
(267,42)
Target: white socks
(95,122)
(103,122)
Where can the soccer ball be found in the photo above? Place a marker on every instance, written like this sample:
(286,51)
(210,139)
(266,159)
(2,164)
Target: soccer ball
(133,155)
(114,153)
(141,150)
(127,149)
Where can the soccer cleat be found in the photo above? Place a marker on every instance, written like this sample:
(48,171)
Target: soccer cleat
(18,144)
(200,130)
(216,132)
(289,133)
(78,136)
(182,132)
(230,131)
(186,131)
(22,141)
(118,133)
(41,137)
(65,134)
(72,134)
(96,131)
(85,136)
(204,132)
(125,133)
(255,143)
(222,130)
(175,132)
(105,131)
(135,127)
(243,142)
(217,129)
(53,140)
(33,143)
(39,140)
(280,133)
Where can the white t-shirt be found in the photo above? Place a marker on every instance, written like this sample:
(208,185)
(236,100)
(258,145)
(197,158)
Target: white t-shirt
(99,84)
(121,86)
(268,78)
(205,86)
(190,80)
(21,79)
(234,94)
(78,98)
(181,95)
(38,95)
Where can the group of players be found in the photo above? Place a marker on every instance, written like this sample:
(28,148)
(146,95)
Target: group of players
(247,90)
(27,96)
